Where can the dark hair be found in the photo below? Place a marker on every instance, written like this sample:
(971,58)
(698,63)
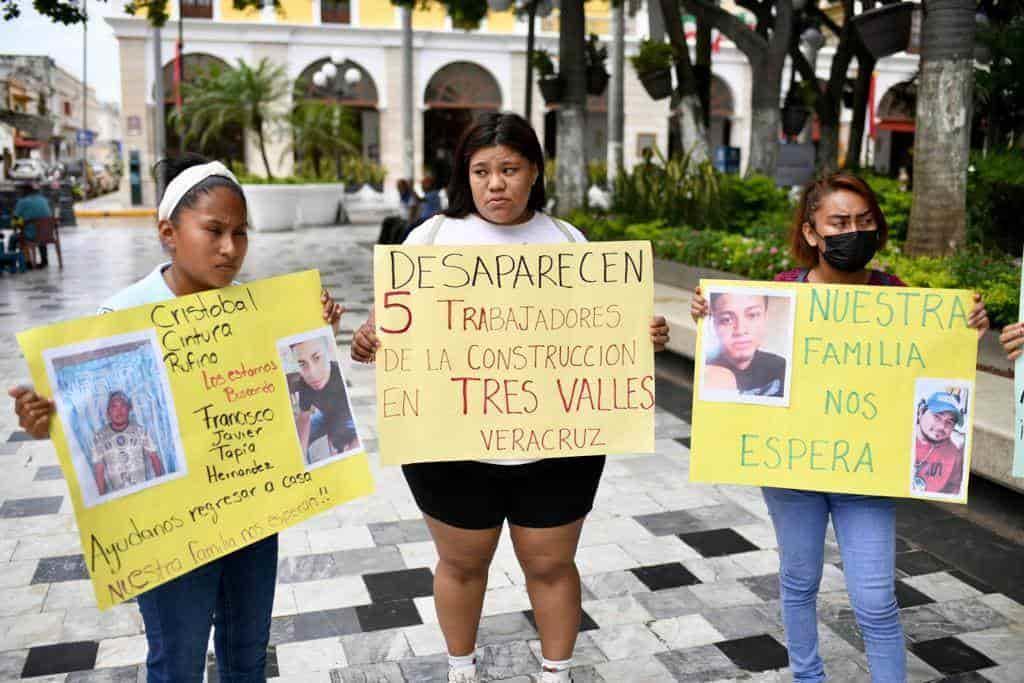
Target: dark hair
(119,395)
(171,167)
(810,199)
(715,296)
(489,130)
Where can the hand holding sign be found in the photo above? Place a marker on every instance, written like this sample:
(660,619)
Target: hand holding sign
(851,389)
(509,352)
(174,432)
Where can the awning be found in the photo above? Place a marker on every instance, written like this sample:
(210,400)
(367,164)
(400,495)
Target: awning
(26,143)
(897,125)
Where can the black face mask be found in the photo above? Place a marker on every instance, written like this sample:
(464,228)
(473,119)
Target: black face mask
(850,251)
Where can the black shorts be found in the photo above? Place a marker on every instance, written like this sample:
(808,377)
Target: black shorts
(477,495)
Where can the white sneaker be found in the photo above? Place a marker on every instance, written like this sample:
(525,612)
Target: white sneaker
(562,676)
(466,674)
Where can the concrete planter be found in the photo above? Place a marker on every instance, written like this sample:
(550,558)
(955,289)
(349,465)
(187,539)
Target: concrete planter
(284,207)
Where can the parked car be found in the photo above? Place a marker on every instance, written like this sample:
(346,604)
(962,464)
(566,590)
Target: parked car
(27,169)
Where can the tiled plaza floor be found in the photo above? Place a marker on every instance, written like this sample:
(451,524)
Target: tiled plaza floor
(680,580)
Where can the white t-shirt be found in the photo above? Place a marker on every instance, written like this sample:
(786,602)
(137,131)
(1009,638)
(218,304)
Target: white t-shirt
(541,229)
(472,229)
(149,290)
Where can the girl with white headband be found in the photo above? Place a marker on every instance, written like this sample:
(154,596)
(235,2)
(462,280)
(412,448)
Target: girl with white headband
(203,227)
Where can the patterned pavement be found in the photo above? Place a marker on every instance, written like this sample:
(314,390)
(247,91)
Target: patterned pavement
(680,580)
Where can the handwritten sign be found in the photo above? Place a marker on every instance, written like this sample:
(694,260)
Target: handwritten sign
(190,428)
(1018,394)
(513,352)
(835,388)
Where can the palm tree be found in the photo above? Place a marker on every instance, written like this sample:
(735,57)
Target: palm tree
(324,130)
(938,216)
(245,96)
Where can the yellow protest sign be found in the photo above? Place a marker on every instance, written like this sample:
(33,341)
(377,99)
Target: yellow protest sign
(514,351)
(835,388)
(190,428)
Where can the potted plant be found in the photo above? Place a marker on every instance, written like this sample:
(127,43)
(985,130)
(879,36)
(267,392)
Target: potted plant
(466,15)
(653,64)
(551,84)
(595,56)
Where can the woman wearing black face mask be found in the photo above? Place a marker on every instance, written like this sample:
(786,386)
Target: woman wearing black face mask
(837,229)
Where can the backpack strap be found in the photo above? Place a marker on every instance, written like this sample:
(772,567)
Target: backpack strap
(564,228)
(434,229)
(804,272)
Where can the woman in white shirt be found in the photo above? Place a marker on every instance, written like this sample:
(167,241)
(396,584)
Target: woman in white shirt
(496,196)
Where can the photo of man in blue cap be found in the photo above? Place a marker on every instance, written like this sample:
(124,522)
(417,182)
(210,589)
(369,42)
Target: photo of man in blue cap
(938,458)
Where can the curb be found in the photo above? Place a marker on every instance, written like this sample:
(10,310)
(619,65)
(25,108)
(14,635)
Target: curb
(115,213)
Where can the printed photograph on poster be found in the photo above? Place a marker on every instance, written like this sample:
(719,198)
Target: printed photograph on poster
(942,432)
(747,346)
(114,402)
(321,409)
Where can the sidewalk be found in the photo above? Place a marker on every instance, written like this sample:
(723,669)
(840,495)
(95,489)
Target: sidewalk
(110,206)
(992,454)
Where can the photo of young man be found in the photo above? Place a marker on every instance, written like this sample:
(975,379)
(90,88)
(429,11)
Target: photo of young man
(938,445)
(736,363)
(320,406)
(123,453)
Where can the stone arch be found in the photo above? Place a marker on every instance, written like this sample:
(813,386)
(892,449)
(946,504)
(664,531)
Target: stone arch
(723,110)
(228,147)
(455,95)
(463,85)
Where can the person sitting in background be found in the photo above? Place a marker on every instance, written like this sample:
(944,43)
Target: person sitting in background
(394,228)
(430,206)
(30,208)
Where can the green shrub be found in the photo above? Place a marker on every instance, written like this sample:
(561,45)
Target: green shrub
(995,201)
(895,203)
(677,191)
(753,203)
(355,170)
(597,172)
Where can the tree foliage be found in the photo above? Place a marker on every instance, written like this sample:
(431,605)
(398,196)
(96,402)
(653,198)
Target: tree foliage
(70,11)
(999,85)
(324,130)
(245,96)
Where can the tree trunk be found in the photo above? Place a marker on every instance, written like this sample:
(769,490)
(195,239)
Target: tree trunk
(258,125)
(830,113)
(689,115)
(938,216)
(570,164)
(616,101)
(408,145)
(765,121)
(861,93)
(702,70)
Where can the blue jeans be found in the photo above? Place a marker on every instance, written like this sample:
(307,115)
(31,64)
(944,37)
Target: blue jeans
(866,530)
(235,594)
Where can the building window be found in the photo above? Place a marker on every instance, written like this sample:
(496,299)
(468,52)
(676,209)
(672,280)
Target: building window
(197,9)
(67,108)
(335,11)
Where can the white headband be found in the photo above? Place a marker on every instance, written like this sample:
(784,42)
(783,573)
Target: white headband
(185,181)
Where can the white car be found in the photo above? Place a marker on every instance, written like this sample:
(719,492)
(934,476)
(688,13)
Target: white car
(27,169)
